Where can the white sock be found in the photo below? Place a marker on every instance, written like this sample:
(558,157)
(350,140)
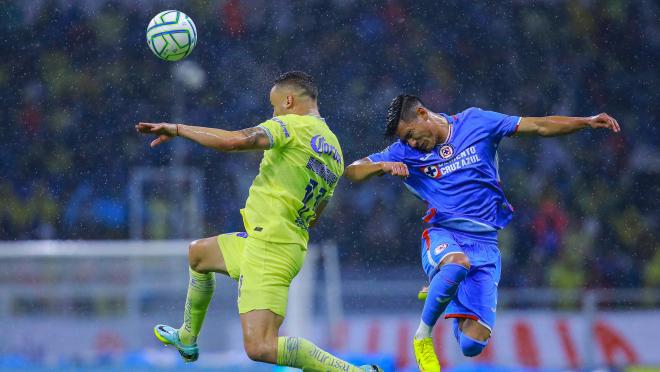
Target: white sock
(423,331)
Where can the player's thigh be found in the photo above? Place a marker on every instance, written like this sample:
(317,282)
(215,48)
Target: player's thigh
(204,256)
(439,247)
(232,247)
(216,254)
(267,270)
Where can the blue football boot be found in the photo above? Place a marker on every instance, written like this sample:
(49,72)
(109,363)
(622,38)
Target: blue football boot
(170,336)
(371,368)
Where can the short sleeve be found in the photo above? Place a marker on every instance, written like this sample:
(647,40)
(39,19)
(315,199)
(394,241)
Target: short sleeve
(277,131)
(393,152)
(498,125)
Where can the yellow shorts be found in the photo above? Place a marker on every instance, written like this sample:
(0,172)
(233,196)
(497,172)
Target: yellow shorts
(264,270)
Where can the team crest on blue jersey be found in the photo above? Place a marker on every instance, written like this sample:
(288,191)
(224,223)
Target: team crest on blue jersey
(446,151)
(432,171)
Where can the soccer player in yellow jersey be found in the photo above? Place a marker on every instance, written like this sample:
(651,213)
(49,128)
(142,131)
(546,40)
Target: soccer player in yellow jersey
(301,166)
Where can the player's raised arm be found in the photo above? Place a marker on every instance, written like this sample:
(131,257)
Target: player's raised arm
(364,168)
(254,138)
(548,126)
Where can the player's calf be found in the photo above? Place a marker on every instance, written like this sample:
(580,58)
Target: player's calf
(261,350)
(471,336)
(443,287)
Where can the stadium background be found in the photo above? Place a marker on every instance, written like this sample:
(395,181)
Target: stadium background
(78,76)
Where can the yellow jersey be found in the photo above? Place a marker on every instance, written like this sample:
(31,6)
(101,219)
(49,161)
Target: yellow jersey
(300,170)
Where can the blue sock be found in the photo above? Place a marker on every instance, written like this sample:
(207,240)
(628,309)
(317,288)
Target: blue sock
(442,289)
(457,331)
(471,347)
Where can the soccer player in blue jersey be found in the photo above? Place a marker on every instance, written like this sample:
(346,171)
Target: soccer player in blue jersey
(450,162)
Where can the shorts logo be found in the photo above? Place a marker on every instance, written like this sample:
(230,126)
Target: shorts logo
(441,248)
(240,284)
(446,151)
(432,171)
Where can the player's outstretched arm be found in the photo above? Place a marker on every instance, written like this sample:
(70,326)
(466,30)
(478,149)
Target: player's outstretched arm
(364,168)
(548,126)
(254,138)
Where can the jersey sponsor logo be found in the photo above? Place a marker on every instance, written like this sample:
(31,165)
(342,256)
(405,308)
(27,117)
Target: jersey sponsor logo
(446,151)
(465,158)
(321,146)
(432,171)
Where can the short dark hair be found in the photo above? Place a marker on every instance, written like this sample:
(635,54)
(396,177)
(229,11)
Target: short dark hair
(401,108)
(300,80)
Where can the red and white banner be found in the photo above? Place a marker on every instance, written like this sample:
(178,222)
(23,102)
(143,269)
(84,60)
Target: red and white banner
(520,338)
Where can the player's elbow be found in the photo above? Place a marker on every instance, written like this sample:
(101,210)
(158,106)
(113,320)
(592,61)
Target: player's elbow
(544,132)
(230,144)
(352,173)
(549,129)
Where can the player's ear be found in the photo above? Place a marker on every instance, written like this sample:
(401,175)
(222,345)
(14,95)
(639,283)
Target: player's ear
(289,102)
(423,113)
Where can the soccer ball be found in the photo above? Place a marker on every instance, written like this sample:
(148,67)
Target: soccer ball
(171,35)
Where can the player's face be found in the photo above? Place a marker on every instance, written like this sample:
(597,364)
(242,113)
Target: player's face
(281,99)
(418,133)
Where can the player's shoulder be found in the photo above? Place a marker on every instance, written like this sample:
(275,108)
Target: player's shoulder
(295,119)
(476,117)
(470,113)
(284,121)
(398,147)
(302,123)
(402,150)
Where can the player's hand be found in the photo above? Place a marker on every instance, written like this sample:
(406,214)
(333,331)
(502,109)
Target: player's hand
(603,120)
(395,168)
(164,131)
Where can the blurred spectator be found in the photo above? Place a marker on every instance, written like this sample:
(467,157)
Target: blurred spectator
(80,75)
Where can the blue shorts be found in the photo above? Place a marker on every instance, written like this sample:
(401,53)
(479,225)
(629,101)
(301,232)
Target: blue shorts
(477,294)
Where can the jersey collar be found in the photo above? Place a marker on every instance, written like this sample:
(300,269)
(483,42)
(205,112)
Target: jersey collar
(451,119)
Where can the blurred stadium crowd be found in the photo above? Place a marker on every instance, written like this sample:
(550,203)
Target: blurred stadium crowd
(79,76)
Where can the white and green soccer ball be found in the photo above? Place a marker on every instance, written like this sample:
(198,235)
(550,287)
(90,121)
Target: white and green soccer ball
(171,35)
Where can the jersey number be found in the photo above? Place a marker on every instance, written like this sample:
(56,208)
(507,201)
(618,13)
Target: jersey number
(307,211)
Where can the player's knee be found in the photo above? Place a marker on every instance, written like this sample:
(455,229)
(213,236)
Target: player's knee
(196,255)
(259,351)
(471,347)
(457,259)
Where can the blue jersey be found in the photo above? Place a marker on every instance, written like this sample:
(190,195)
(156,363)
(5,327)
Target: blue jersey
(459,179)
